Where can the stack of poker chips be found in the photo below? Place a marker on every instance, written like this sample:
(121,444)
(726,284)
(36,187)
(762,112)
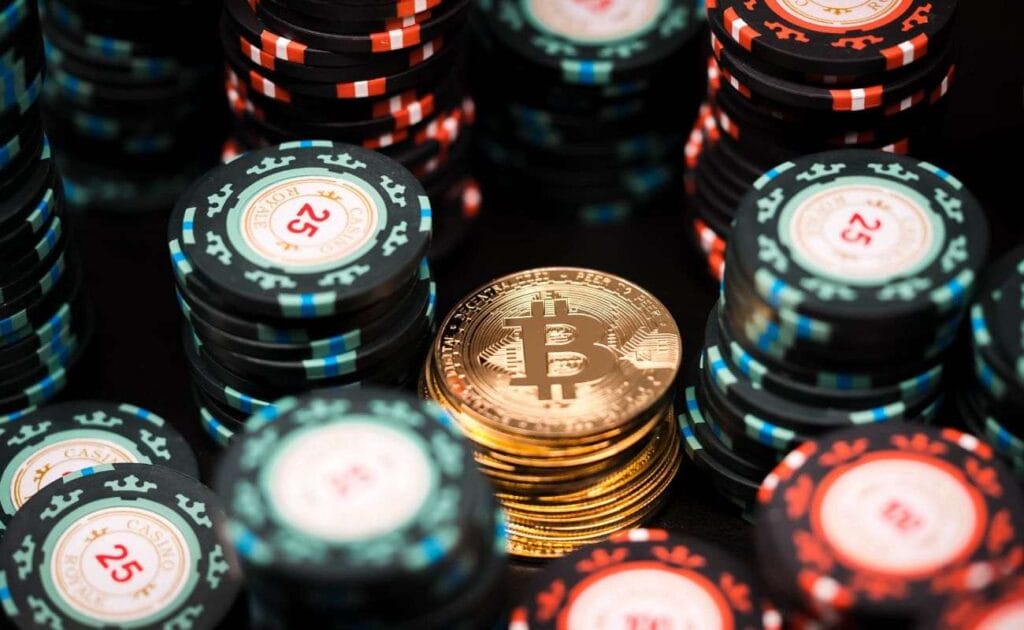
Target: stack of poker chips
(846,280)
(119,545)
(298,267)
(884,525)
(562,379)
(44,320)
(583,104)
(128,99)
(647,578)
(362,508)
(382,75)
(789,79)
(991,400)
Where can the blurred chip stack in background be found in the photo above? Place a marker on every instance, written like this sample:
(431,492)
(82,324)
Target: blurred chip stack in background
(44,320)
(130,99)
(382,75)
(991,400)
(584,106)
(846,281)
(786,79)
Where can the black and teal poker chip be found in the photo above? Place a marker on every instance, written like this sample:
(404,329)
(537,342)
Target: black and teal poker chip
(85,546)
(66,437)
(302,230)
(296,518)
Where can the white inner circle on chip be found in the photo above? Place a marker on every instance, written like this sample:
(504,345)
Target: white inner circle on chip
(121,564)
(861,232)
(898,516)
(630,598)
(350,481)
(1009,616)
(840,14)
(595,20)
(52,461)
(309,221)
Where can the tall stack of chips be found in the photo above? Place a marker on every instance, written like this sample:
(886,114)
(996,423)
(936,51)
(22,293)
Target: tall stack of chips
(583,104)
(787,78)
(562,379)
(991,400)
(44,319)
(128,99)
(846,280)
(362,508)
(298,267)
(382,75)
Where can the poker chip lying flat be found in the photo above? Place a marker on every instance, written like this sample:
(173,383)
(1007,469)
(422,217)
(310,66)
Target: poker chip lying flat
(128,545)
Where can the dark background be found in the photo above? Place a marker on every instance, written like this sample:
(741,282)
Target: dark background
(136,354)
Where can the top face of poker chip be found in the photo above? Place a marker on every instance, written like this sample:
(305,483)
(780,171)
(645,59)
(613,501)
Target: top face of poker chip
(834,37)
(645,579)
(64,438)
(886,519)
(846,233)
(594,42)
(301,481)
(304,229)
(128,546)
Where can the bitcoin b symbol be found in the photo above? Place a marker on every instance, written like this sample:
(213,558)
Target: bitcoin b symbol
(539,345)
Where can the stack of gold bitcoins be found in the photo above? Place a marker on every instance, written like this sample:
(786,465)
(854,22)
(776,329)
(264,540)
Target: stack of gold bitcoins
(562,378)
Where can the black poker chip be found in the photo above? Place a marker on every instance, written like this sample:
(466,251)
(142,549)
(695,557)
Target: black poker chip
(67,437)
(332,204)
(646,574)
(406,457)
(87,544)
(817,40)
(915,508)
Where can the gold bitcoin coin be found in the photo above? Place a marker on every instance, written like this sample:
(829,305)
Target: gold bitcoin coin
(558,353)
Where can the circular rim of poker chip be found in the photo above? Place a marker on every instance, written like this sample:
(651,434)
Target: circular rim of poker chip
(252,329)
(389,254)
(746,80)
(708,431)
(880,43)
(830,471)
(1000,605)
(591,62)
(121,430)
(314,92)
(404,534)
(184,509)
(777,378)
(790,412)
(686,563)
(922,189)
(344,366)
(367,11)
(418,300)
(440,22)
(258,58)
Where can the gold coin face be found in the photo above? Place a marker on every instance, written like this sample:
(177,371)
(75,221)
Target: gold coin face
(558,353)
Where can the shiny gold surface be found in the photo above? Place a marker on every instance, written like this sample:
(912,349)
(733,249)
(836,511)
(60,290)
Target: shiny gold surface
(559,353)
(562,379)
